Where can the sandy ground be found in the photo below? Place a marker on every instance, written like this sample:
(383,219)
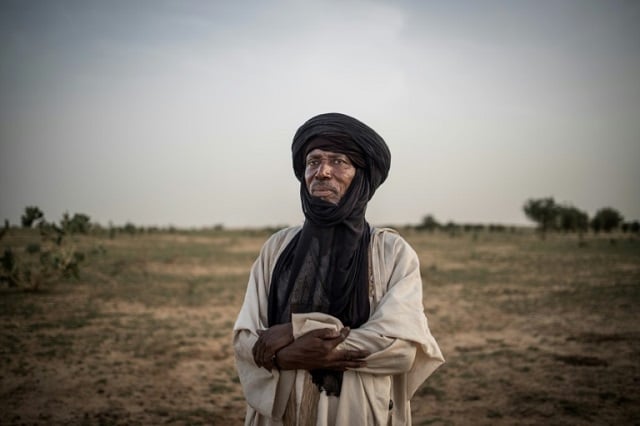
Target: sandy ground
(534,332)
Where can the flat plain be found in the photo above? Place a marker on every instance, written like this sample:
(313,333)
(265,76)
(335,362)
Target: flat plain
(535,331)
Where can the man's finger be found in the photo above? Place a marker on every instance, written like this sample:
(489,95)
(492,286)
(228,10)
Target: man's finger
(345,365)
(260,352)
(359,354)
(356,364)
(325,333)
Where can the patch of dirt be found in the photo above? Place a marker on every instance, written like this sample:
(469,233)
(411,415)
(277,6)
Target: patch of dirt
(528,338)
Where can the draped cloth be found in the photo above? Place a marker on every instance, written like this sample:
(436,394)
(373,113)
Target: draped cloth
(325,266)
(403,351)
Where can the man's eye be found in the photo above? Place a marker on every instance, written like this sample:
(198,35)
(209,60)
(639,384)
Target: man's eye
(312,163)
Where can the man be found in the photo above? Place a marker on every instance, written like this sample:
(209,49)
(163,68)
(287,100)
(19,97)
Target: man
(332,329)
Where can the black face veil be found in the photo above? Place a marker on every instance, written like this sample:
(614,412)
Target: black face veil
(325,268)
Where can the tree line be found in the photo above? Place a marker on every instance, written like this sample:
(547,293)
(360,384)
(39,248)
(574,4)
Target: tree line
(548,216)
(545,212)
(430,223)
(80,223)
(551,216)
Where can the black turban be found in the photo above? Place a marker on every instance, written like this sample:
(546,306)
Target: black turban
(354,135)
(325,267)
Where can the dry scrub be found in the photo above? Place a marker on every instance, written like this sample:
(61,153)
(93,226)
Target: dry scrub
(534,332)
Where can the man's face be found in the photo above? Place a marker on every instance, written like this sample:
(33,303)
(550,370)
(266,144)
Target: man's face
(328,174)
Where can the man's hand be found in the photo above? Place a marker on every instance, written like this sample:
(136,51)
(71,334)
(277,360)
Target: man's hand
(269,342)
(317,349)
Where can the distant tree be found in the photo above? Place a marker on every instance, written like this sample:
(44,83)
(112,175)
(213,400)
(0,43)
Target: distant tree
(634,227)
(429,223)
(130,228)
(78,224)
(112,230)
(495,227)
(31,215)
(64,222)
(543,211)
(452,228)
(571,219)
(606,219)
(96,228)
(4,230)
(473,227)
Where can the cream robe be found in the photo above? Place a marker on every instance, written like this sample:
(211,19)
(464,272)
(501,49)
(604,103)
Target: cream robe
(403,351)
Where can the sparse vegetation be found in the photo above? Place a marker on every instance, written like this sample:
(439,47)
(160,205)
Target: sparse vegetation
(542,211)
(32,263)
(31,215)
(532,330)
(564,217)
(606,220)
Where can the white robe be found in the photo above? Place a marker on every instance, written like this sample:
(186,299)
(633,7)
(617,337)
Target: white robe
(403,351)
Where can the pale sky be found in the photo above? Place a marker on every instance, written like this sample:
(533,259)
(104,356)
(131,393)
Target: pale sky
(182,112)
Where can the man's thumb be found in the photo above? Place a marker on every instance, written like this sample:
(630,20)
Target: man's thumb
(327,333)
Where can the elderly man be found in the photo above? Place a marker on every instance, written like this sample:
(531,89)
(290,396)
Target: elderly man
(332,329)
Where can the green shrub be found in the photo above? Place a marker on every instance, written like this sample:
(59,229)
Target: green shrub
(41,263)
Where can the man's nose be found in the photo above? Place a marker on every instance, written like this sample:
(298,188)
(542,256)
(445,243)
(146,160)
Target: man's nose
(324,170)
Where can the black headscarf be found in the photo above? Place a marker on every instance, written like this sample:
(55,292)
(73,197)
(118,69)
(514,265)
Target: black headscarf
(325,267)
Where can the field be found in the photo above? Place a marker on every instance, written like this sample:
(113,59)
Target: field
(534,331)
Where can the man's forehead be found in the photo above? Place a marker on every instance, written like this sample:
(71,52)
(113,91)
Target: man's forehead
(317,152)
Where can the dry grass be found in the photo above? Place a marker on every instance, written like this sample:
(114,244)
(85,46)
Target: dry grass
(534,332)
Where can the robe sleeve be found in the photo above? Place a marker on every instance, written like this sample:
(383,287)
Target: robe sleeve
(264,390)
(397,332)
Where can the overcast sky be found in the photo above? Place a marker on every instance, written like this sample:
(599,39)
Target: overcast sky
(182,112)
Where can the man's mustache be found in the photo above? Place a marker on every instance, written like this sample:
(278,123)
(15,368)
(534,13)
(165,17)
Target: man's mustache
(323,187)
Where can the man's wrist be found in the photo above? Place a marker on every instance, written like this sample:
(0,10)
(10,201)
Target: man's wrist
(274,360)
